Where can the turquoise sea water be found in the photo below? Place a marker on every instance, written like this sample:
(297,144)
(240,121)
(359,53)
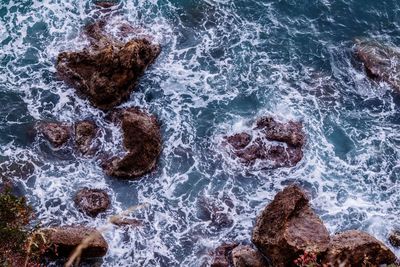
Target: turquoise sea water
(223,64)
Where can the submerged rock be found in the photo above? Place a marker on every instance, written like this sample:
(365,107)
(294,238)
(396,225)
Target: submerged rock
(381,62)
(288,226)
(356,248)
(142,140)
(275,144)
(108,71)
(57,133)
(62,241)
(85,134)
(92,201)
(394,238)
(126,222)
(106,4)
(246,256)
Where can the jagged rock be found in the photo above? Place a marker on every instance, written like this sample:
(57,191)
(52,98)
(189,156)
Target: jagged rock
(288,226)
(246,256)
(381,62)
(394,238)
(62,241)
(126,222)
(108,71)
(105,4)
(142,140)
(85,134)
(222,255)
(356,248)
(285,150)
(56,133)
(92,201)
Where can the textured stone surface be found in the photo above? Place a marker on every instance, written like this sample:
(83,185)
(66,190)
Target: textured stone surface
(92,201)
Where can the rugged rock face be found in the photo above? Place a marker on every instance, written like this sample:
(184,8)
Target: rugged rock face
(246,256)
(108,71)
(288,226)
(356,248)
(92,201)
(85,133)
(394,238)
(56,133)
(222,255)
(62,241)
(285,150)
(142,140)
(381,62)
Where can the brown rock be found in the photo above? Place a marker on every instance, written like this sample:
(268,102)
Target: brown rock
(394,238)
(92,201)
(85,133)
(246,256)
(62,241)
(288,226)
(356,248)
(126,222)
(286,151)
(55,132)
(106,4)
(222,255)
(142,140)
(381,62)
(108,71)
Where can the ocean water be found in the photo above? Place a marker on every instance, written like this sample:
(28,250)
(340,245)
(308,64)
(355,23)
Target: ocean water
(223,64)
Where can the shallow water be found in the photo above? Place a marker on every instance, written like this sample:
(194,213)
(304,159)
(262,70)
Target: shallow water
(223,64)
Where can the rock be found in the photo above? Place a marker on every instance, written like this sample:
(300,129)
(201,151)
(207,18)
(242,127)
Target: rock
(85,134)
(246,256)
(381,62)
(222,255)
(288,226)
(142,140)
(56,133)
(108,71)
(92,201)
(126,222)
(275,144)
(62,241)
(394,238)
(106,4)
(217,212)
(356,248)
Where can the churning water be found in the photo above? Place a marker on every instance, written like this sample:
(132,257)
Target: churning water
(223,64)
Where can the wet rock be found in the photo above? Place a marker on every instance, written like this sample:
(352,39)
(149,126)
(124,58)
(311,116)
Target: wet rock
(106,4)
(246,256)
(108,71)
(126,222)
(16,169)
(288,226)
(275,144)
(62,241)
(92,201)
(85,134)
(394,238)
(142,140)
(56,133)
(217,212)
(222,255)
(356,248)
(381,62)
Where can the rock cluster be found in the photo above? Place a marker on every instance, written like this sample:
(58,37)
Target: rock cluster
(92,201)
(274,144)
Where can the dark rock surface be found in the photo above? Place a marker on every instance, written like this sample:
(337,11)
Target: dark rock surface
(126,222)
(62,241)
(356,248)
(56,133)
(222,255)
(246,256)
(394,238)
(381,62)
(108,71)
(274,144)
(85,134)
(142,140)
(288,226)
(92,201)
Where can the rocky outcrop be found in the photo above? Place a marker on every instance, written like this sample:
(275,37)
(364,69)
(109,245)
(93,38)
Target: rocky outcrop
(288,226)
(356,248)
(56,133)
(108,71)
(141,139)
(246,256)
(85,134)
(381,62)
(222,255)
(62,241)
(273,144)
(92,201)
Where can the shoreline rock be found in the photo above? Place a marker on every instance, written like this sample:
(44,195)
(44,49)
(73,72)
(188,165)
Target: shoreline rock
(92,201)
(56,133)
(85,134)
